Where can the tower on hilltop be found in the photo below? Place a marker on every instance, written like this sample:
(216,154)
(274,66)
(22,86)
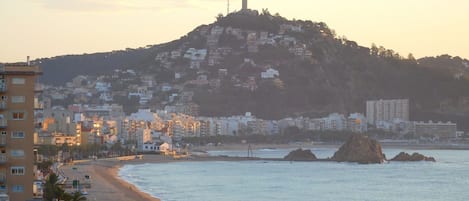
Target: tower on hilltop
(245,4)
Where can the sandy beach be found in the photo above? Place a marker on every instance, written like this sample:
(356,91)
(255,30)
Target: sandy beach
(105,182)
(106,185)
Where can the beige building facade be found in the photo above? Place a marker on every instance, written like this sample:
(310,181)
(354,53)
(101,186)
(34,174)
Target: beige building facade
(17,89)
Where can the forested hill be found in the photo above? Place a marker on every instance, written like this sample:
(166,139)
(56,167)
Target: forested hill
(61,69)
(318,72)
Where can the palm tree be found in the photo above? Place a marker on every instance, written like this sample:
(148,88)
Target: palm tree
(52,189)
(62,195)
(77,196)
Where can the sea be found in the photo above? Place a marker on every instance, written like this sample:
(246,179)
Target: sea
(445,180)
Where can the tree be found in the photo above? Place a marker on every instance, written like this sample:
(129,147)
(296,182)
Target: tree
(411,57)
(265,11)
(51,187)
(62,195)
(48,150)
(77,196)
(219,17)
(291,130)
(374,50)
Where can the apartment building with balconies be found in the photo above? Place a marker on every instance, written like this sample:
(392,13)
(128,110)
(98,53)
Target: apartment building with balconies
(17,92)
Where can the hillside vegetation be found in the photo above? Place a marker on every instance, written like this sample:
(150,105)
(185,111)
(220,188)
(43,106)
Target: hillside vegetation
(338,76)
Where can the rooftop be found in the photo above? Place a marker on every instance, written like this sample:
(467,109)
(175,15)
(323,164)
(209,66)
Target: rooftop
(20,68)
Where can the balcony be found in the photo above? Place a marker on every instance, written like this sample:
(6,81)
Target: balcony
(3,141)
(3,188)
(3,158)
(3,123)
(3,177)
(38,106)
(38,125)
(38,88)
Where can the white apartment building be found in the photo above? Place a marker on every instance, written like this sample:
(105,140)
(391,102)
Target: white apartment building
(387,110)
(335,122)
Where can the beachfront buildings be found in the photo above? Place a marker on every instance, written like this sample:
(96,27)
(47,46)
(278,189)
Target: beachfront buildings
(17,89)
(440,130)
(387,110)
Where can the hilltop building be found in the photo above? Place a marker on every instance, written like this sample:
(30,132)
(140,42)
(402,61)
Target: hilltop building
(17,88)
(245,5)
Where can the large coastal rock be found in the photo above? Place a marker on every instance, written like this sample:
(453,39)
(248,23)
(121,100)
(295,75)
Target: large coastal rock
(360,149)
(300,155)
(414,157)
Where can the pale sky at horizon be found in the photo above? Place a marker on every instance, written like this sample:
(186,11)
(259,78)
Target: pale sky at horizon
(47,28)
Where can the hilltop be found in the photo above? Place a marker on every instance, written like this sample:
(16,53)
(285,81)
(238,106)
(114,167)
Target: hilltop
(274,68)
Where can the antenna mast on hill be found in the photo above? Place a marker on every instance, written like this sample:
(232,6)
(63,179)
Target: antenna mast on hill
(228,8)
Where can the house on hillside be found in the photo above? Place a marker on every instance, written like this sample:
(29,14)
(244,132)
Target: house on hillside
(270,73)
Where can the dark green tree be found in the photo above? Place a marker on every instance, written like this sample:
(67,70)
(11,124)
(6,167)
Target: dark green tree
(77,196)
(219,17)
(374,50)
(51,187)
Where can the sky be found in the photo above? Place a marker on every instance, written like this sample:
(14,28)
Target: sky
(47,28)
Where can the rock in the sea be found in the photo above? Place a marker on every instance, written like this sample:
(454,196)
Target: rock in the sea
(360,149)
(300,155)
(414,157)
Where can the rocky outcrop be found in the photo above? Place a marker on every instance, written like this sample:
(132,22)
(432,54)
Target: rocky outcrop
(300,155)
(414,157)
(360,149)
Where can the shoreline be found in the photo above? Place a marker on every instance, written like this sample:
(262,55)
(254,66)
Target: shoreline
(393,145)
(111,174)
(106,184)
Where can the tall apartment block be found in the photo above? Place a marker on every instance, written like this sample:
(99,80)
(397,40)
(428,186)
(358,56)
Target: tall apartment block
(387,110)
(17,92)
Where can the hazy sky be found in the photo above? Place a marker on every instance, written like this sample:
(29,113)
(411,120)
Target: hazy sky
(45,28)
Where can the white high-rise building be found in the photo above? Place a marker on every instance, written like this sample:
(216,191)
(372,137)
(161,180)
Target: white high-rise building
(387,110)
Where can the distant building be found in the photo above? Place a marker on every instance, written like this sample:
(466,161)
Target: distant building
(356,122)
(387,110)
(435,129)
(245,5)
(270,73)
(251,41)
(335,122)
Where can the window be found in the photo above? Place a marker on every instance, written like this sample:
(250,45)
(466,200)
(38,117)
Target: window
(17,80)
(3,133)
(18,115)
(17,153)
(17,170)
(17,134)
(18,188)
(18,99)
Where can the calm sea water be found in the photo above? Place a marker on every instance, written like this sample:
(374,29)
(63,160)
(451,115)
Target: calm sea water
(445,180)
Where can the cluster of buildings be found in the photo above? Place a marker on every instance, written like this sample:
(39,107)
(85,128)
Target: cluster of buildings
(393,116)
(198,61)
(107,124)
(27,120)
